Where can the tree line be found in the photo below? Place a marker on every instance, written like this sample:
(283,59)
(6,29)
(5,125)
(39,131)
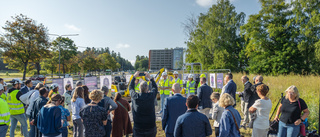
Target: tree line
(25,46)
(282,38)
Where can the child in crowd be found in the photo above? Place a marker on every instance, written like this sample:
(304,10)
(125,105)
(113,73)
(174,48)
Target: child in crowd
(217,112)
(65,117)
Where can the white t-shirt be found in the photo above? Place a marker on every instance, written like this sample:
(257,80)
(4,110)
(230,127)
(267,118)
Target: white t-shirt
(263,109)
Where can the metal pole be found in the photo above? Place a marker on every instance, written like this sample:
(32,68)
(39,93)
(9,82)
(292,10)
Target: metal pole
(59,59)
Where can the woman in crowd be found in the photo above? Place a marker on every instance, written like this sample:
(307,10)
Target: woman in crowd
(65,117)
(262,108)
(54,89)
(94,116)
(217,112)
(86,94)
(121,121)
(49,118)
(230,119)
(77,103)
(290,109)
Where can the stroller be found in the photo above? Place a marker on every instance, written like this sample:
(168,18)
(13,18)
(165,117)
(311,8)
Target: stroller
(274,125)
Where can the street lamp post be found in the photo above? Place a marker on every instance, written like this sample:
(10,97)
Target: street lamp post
(60,46)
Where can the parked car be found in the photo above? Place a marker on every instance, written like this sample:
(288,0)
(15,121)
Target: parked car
(38,77)
(88,75)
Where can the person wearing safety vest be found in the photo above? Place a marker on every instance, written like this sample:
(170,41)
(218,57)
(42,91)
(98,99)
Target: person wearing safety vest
(54,89)
(165,88)
(16,108)
(4,95)
(137,85)
(4,114)
(177,79)
(201,76)
(191,86)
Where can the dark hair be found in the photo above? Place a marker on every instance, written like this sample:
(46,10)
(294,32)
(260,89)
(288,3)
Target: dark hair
(263,89)
(67,86)
(27,82)
(229,74)
(192,101)
(86,94)
(55,97)
(104,89)
(203,79)
(62,100)
(118,96)
(43,91)
(1,79)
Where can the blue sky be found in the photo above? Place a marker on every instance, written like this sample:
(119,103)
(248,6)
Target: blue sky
(131,27)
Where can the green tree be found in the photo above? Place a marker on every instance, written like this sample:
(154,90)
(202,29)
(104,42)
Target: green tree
(215,41)
(142,63)
(67,50)
(25,41)
(50,65)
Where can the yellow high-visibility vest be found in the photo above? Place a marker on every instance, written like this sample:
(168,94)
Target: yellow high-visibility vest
(178,80)
(15,105)
(3,96)
(4,112)
(137,88)
(165,83)
(190,87)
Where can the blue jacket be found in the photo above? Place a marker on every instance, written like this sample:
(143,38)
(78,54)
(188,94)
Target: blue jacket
(192,124)
(227,124)
(49,121)
(143,108)
(24,90)
(174,107)
(231,88)
(204,93)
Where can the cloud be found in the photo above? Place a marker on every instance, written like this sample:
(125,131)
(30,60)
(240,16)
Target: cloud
(72,27)
(208,3)
(120,45)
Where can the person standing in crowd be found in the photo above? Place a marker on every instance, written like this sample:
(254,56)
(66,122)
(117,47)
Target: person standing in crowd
(86,94)
(216,112)
(4,84)
(201,76)
(38,103)
(262,108)
(16,108)
(4,114)
(244,103)
(230,119)
(25,89)
(230,87)
(121,120)
(176,79)
(106,103)
(35,94)
(78,84)
(174,106)
(190,86)
(254,96)
(65,117)
(290,109)
(192,123)
(94,116)
(204,93)
(164,86)
(54,89)
(143,108)
(67,95)
(49,118)
(77,103)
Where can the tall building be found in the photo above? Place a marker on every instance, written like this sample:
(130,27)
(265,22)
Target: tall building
(167,58)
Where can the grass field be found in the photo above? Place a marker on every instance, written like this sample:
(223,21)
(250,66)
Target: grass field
(308,86)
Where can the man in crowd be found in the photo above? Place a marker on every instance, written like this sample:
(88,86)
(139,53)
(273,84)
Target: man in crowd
(201,76)
(190,86)
(254,96)
(164,86)
(245,100)
(16,108)
(109,105)
(204,94)
(38,104)
(174,106)
(78,84)
(137,83)
(192,123)
(230,87)
(67,95)
(3,95)
(27,87)
(4,114)
(143,109)
(176,79)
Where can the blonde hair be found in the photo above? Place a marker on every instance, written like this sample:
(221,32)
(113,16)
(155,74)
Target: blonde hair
(295,91)
(78,92)
(95,95)
(226,100)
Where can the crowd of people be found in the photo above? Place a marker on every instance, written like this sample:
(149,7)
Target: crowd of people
(94,114)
